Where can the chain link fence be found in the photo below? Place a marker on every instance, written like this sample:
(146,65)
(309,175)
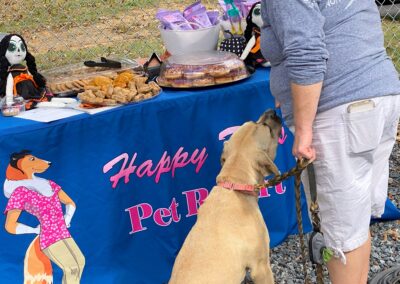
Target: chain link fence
(60,32)
(390,14)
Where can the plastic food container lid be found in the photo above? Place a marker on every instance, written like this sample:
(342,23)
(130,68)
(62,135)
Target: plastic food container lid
(202,58)
(80,71)
(202,69)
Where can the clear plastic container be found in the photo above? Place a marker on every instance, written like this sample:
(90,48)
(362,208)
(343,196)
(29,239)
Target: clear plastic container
(73,78)
(16,108)
(184,41)
(202,70)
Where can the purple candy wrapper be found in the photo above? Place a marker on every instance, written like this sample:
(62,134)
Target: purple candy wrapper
(200,18)
(213,16)
(192,8)
(173,20)
(194,16)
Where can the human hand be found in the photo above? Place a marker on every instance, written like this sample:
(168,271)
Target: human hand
(277,104)
(302,146)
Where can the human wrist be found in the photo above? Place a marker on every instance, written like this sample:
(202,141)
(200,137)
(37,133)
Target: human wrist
(303,129)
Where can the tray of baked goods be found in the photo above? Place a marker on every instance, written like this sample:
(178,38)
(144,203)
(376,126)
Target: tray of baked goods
(71,79)
(125,88)
(202,69)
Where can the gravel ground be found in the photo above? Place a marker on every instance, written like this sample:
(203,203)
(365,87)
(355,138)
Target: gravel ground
(286,260)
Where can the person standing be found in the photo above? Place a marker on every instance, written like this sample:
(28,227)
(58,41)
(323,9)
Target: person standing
(339,93)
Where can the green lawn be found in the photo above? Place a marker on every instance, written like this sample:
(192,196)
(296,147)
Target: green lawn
(20,15)
(134,49)
(392,40)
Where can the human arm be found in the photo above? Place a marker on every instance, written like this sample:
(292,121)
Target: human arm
(298,26)
(70,207)
(13,227)
(305,104)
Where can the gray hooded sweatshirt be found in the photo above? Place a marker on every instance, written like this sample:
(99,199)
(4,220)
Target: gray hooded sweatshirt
(339,42)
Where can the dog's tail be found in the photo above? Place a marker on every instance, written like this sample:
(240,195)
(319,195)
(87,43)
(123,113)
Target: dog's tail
(37,266)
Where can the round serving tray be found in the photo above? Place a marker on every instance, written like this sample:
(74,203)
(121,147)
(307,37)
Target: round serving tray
(202,86)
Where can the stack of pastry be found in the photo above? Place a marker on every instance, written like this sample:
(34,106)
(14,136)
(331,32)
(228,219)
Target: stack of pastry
(125,88)
(186,76)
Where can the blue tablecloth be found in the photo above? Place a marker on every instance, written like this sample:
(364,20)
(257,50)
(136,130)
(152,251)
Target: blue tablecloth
(137,174)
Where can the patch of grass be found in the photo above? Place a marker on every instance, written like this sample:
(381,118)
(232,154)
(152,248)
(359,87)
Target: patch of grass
(20,15)
(135,49)
(392,40)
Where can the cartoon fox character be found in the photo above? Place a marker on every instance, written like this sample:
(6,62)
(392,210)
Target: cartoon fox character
(41,198)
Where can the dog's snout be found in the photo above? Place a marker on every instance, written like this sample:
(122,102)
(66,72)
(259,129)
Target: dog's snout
(49,163)
(270,114)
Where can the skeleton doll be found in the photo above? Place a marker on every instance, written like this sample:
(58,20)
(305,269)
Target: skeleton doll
(17,79)
(252,53)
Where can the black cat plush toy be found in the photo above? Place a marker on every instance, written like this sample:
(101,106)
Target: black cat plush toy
(252,53)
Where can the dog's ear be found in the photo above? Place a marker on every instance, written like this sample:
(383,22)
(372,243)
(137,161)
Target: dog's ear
(268,166)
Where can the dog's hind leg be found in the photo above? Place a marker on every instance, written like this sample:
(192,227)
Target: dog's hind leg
(247,278)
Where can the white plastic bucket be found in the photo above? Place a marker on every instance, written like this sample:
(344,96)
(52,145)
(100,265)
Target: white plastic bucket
(189,41)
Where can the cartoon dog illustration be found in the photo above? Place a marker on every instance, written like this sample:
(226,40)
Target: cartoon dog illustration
(41,198)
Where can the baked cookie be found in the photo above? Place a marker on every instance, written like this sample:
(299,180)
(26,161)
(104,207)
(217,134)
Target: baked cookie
(181,83)
(223,80)
(202,82)
(164,82)
(173,73)
(194,74)
(217,70)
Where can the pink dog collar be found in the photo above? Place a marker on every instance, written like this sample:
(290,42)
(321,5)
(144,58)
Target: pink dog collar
(246,188)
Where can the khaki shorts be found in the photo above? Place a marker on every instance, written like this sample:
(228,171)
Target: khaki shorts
(352,168)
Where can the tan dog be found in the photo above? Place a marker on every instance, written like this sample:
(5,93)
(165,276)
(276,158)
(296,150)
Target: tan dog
(230,241)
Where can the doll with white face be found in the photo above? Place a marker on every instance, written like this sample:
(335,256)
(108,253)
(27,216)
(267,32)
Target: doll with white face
(16,51)
(16,79)
(252,52)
